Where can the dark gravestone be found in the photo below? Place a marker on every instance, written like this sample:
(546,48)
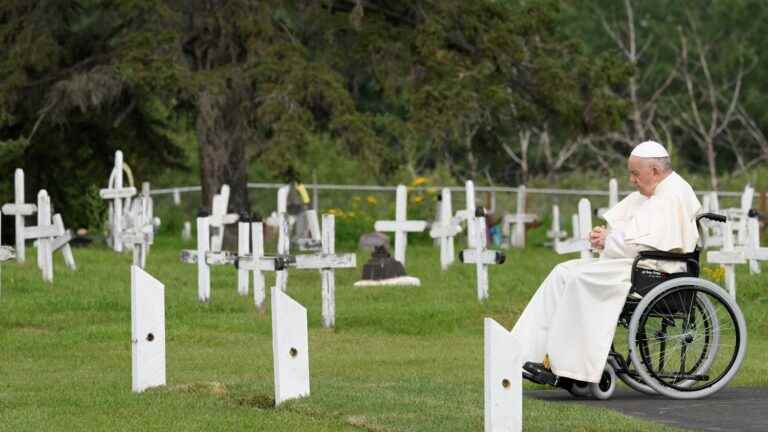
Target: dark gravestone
(382,266)
(369,241)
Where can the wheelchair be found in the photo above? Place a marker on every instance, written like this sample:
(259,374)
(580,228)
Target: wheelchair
(685,336)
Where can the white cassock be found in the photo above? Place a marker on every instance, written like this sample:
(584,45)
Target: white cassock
(572,317)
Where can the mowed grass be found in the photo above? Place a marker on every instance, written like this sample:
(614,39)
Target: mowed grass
(399,359)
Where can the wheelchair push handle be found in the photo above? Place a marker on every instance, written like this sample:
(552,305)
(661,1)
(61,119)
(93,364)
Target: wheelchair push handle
(711,216)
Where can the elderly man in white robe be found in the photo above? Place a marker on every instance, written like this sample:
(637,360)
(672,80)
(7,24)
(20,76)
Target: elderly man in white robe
(569,324)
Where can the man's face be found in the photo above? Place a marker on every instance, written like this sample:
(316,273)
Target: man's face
(642,174)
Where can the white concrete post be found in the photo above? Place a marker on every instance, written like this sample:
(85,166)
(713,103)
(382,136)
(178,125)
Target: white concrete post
(290,347)
(147,331)
(503,385)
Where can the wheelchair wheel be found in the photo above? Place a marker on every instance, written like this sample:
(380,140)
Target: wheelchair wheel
(687,338)
(604,389)
(579,389)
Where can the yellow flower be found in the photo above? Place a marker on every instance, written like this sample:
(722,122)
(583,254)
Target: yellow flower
(418,181)
(716,274)
(333,211)
(371,199)
(417,199)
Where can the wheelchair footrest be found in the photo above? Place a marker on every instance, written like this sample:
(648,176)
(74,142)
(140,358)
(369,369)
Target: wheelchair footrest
(537,373)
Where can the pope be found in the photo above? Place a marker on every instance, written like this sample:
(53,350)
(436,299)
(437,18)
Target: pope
(570,322)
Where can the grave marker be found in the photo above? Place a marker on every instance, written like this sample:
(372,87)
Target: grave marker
(728,257)
(519,219)
(445,229)
(219,218)
(503,387)
(147,331)
(555,233)
(581,228)
(290,347)
(119,196)
(613,197)
(400,226)
(283,250)
(480,256)
(18,210)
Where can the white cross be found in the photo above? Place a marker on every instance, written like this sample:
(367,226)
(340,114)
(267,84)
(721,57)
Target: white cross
(728,257)
(752,250)
(326,262)
(400,226)
(445,229)
(556,234)
(62,242)
(712,232)
(283,249)
(468,212)
(740,215)
(503,387)
(139,231)
(117,194)
(519,219)
(19,209)
(581,228)
(44,232)
(219,217)
(255,261)
(480,256)
(313,240)
(613,197)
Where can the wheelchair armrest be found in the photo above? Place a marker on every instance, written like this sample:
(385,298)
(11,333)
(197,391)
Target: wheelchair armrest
(667,256)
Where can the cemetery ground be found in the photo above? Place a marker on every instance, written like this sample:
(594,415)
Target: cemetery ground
(399,359)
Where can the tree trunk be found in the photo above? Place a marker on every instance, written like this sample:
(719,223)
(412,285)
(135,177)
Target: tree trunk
(711,163)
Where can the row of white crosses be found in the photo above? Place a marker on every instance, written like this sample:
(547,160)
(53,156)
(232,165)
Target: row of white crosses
(49,232)
(290,339)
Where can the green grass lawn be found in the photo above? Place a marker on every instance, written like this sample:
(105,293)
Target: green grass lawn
(399,359)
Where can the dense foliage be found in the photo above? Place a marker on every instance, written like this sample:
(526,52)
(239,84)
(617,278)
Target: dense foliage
(366,90)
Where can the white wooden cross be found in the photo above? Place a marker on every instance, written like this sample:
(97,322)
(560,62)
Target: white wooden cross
(219,217)
(752,250)
(19,209)
(444,229)
(147,331)
(519,219)
(45,232)
(480,256)
(255,261)
(326,262)
(712,232)
(290,347)
(613,197)
(556,234)
(205,257)
(468,212)
(243,248)
(728,257)
(581,228)
(283,250)
(62,242)
(400,226)
(139,232)
(119,196)
(741,214)
(503,387)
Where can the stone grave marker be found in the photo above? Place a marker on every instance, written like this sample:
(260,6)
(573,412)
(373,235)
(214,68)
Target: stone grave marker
(401,226)
(147,331)
(382,269)
(290,347)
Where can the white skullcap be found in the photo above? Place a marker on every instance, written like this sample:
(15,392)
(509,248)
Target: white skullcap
(649,149)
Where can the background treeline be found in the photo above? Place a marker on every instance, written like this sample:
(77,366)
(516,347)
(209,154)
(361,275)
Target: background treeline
(367,91)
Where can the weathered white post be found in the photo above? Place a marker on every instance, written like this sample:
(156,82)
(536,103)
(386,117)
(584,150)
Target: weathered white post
(469,212)
(43,232)
(290,347)
(746,204)
(582,225)
(282,198)
(613,197)
(176,197)
(257,263)
(728,257)
(19,209)
(147,331)
(243,248)
(62,242)
(445,229)
(400,226)
(503,387)
(480,256)
(186,232)
(752,250)
(283,250)
(203,272)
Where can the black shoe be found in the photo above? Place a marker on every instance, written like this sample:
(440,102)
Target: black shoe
(539,374)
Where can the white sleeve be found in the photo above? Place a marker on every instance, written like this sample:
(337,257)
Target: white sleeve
(617,247)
